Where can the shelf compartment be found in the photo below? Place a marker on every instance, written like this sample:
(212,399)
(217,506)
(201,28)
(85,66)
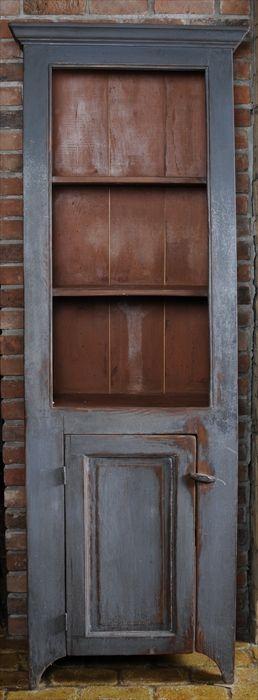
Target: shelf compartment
(84,401)
(144,350)
(149,123)
(193,291)
(109,180)
(123,237)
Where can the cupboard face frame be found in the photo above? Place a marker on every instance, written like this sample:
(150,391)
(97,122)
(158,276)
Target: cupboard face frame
(215,427)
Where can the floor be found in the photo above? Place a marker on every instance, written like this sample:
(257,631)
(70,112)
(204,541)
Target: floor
(184,677)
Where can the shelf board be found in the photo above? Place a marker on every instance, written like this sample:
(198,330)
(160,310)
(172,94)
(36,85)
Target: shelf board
(85,401)
(110,180)
(193,291)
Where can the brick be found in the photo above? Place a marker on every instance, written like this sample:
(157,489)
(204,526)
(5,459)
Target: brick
(10,50)
(82,675)
(17,626)
(243,340)
(16,561)
(13,454)
(11,230)
(54,7)
(15,518)
(11,344)
(10,119)
(10,8)
(17,582)
(242,182)
(193,692)
(246,692)
(244,273)
(16,604)
(10,140)
(11,679)
(11,186)
(10,96)
(11,252)
(11,318)
(11,162)
(11,297)
(235,7)
(5,32)
(245,316)
(13,432)
(242,204)
(11,71)
(199,7)
(14,476)
(243,363)
(241,162)
(15,497)
(12,409)
(241,138)
(11,207)
(153,676)
(106,692)
(242,94)
(12,388)
(242,70)
(242,117)
(15,539)
(46,694)
(11,274)
(118,7)
(11,366)
(243,250)
(243,388)
(9,661)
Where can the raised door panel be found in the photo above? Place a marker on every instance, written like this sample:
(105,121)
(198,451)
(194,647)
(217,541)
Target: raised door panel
(130,543)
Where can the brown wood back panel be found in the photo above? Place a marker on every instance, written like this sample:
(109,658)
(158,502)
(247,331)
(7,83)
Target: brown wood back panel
(80,345)
(130,235)
(80,236)
(80,119)
(136,332)
(186,125)
(187,347)
(129,124)
(136,347)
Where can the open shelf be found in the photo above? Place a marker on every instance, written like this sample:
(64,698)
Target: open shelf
(111,180)
(130,291)
(127,351)
(82,401)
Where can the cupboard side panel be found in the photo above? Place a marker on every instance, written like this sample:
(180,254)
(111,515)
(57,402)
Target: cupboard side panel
(44,454)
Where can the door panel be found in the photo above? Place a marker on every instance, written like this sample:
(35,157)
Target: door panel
(130,543)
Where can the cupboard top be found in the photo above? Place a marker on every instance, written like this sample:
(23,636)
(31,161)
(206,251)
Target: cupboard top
(74,32)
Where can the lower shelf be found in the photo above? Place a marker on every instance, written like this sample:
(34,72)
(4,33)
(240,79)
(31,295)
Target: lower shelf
(80,402)
(131,352)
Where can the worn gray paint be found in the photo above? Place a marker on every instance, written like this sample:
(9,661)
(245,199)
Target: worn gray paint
(91,607)
(142,46)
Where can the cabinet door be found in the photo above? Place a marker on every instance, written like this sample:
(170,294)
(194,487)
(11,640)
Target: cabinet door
(130,524)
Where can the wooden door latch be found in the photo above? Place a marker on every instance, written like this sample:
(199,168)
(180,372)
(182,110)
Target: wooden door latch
(198,477)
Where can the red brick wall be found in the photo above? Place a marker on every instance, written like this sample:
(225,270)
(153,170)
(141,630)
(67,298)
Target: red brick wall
(172,11)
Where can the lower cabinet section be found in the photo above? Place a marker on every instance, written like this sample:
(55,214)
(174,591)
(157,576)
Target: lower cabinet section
(130,543)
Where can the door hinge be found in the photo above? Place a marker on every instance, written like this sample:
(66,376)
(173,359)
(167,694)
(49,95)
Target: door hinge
(64,475)
(66,621)
(202,478)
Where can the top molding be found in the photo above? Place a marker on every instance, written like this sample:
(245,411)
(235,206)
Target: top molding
(79,33)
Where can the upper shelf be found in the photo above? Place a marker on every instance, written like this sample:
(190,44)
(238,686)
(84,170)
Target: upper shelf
(193,291)
(110,180)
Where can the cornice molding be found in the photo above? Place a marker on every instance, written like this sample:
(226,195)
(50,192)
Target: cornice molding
(136,34)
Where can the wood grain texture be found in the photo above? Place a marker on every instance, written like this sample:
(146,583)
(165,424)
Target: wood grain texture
(134,519)
(110,123)
(80,236)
